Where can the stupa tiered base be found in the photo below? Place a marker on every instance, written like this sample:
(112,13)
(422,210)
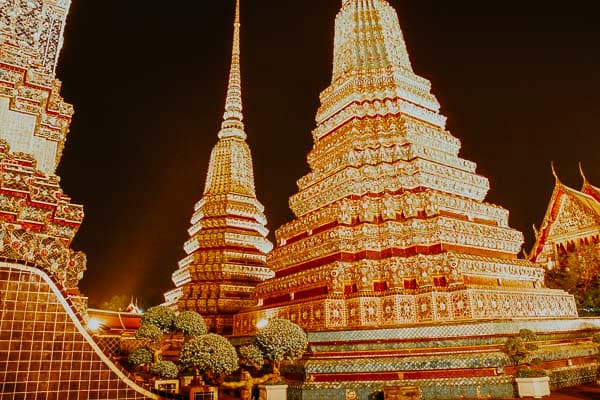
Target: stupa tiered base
(445,361)
(391,309)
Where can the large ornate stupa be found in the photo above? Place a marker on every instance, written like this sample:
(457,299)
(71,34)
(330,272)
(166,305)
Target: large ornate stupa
(392,228)
(34,119)
(45,348)
(37,220)
(228,246)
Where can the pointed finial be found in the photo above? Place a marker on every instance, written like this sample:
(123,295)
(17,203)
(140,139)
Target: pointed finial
(585,180)
(554,172)
(233,125)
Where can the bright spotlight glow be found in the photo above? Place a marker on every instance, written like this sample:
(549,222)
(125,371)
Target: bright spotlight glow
(94,324)
(262,323)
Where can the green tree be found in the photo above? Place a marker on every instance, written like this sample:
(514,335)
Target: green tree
(149,332)
(165,369)
(160,324)
(160,316)
(211,356)
(140,356)
(578,272)
(281,340)
(190,323)
(116,303)
(251,356)
(520,349)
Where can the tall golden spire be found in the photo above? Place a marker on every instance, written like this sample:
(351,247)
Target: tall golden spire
(227,248)
(233,124)
(230,170)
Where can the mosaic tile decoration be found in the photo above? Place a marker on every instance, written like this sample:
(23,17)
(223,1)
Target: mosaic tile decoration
(45,352)
(417,363)
(573,376)
(458,330)
(433,389)
(498,387)
(110,344)
(446,362)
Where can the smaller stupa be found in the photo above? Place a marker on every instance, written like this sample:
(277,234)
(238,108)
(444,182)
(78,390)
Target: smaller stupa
(226,252)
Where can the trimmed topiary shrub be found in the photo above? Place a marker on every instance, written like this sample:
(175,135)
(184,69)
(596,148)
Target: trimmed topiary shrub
(140,356)
(211,355)
(251,356)
(159,316)
(148,332)
(281,340)
(165,369)
(190,323)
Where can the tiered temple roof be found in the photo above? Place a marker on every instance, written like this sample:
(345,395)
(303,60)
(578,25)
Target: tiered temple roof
(588,188)
(228,245)
(572,218)
(391,227)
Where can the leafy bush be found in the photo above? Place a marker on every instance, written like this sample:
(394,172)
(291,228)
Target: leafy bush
(116,303)
(530,373)
(212,355)
(282,340)
(251,356)
(574,272)
(159,316)
(149,332)
(527,335)
(190,323)
(141,356)
(519,347)
(165,369)
(536,362)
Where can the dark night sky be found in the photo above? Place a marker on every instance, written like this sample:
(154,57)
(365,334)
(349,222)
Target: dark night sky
(519,84)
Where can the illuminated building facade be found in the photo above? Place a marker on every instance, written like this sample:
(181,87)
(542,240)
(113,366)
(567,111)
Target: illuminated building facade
(391,226)
(37,218)
(45,348)
(400,272)
(34,119)
(226,252)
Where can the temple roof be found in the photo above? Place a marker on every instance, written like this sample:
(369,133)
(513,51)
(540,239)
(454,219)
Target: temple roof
(587,187)
(568,212)
(113,321)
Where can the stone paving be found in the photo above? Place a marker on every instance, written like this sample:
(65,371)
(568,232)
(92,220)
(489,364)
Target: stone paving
(584,392)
